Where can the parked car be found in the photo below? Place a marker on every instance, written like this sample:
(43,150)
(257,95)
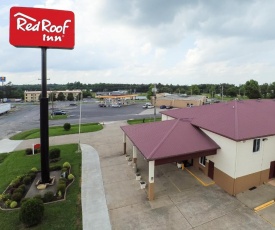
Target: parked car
(145,106)
(73,104)
(162,107)
(150,106)
(169,107)
(58,112)
(102,105)
(116,105)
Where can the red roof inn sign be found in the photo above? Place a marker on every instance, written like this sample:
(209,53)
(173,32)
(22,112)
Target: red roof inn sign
(36,27)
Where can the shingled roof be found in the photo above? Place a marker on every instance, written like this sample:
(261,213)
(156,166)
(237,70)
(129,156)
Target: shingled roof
(169,139)
(237,120)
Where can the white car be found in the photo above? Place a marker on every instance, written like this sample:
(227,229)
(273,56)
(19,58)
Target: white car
(116,105)
(147,106)
(150,106)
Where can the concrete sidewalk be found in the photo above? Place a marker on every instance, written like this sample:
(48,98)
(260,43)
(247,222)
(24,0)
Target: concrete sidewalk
(7,145)
(94,208)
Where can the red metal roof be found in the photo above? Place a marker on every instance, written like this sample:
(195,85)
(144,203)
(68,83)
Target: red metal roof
(168,139)
(237,120)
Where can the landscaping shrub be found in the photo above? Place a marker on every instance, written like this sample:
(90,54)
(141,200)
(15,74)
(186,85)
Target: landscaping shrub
(27,180)
(67,126)
(19,190)
(8,203)
(48,197)
(24,200)
(16,182)
(54,153)
(38,196)
(17,196)
(61,188)
(13,204)
(6,197)
(70,177)
(32,175)
(34,170)
(66,165)
(28,151)
(55,168)
(31,212)
(23,187)
(62,180)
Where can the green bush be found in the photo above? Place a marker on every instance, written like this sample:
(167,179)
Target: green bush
(16,182)
(8,203)
(38,196)
(31,212)
(27,180)
(17,196)
(13,204)
(34,170)
(54,153)
(32,175)
(6,197)
(66,165)
(61,188)
(24,200)
(19,190)
(48,197)
(28,151)
(23,187)
(55,168)
(67,126)
(62,180)
(70,177)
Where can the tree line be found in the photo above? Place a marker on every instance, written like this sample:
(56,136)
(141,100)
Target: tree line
(251,89)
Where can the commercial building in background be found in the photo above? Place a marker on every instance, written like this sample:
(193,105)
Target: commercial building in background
(179,101)
(33,96)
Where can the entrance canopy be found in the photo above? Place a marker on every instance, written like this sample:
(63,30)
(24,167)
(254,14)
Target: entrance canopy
(170,141)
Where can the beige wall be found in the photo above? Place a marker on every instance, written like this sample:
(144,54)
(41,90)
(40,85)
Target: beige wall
(178,103)
(33,96)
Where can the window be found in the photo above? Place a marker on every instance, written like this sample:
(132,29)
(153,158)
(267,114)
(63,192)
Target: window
(256,145)
(202,161)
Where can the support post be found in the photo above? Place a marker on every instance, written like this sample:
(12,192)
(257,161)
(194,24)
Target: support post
(44,122)
(124,143)
(135,158)
(151,180)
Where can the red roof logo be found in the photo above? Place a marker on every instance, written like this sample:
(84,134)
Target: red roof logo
(35,27)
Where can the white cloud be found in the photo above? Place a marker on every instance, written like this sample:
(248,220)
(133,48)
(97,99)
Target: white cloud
(141,41)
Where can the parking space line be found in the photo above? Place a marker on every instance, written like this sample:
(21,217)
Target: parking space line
(204,184)
(263,206)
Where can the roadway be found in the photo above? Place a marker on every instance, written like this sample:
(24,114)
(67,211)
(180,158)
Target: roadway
(26,116)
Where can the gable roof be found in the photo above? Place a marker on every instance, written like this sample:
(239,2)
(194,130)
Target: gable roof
(168,139)
(237,120)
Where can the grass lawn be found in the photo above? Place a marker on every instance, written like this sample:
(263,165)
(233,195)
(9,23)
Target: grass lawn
(58,131)
(61,215)
(57,117)
(146,120)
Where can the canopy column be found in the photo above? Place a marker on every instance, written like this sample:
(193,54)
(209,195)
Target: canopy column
(151,180)
(124,143)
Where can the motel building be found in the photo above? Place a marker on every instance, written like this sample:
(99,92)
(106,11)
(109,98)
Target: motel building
(233,143)
(34,96)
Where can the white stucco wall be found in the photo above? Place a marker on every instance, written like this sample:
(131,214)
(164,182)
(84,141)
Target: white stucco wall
(165,117)
(225,159)
(249,162)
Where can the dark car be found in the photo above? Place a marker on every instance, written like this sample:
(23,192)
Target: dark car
(101,105)
(58,112)
(169,107)
(162,107)
(73,104)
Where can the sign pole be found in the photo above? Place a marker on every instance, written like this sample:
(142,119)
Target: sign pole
(44,122)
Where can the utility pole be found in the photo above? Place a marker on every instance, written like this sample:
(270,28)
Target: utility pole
(155,98)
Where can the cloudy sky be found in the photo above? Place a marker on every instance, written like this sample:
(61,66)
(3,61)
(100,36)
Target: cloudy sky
(151,41)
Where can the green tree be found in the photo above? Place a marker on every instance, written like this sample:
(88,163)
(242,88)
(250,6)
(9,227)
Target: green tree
(70,97)
(61,97)
(252,89)
(272,90)
(194,90)
(264,90)
(150,92)
(231,91)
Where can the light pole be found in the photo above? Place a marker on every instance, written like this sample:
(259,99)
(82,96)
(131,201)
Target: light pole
(79,126)
(155,98)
